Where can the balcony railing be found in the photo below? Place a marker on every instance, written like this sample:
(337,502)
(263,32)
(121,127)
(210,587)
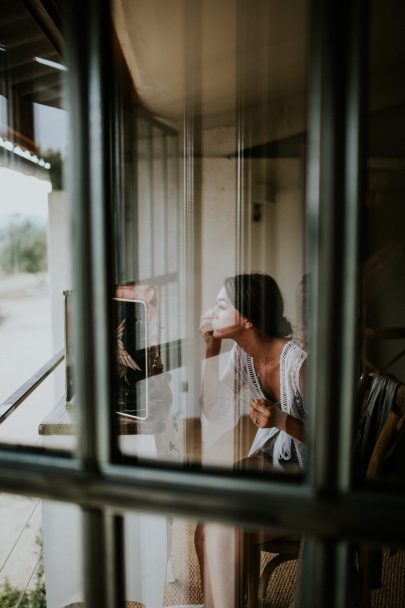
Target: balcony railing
(18,397)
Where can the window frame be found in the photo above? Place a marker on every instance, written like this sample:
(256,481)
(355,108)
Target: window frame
(325,505)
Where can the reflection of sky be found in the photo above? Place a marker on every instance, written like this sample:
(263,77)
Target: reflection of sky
(22,194)
(50,128)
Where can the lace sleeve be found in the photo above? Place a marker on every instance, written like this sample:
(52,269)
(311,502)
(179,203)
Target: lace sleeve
(294,382)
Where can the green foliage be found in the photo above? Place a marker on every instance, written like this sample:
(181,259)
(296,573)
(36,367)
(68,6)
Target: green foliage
(9,596)
(23,248)
(34,598)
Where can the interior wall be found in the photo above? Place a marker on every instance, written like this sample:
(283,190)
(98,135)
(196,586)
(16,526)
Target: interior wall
(218,226)
(284,252)
(275,244)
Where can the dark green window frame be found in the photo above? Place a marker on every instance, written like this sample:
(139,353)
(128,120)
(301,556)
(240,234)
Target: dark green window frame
(325,505)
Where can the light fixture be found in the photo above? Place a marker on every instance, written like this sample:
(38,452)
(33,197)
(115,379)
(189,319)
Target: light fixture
(51,64)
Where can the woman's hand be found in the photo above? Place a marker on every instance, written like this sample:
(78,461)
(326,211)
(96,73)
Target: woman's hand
(212,345)
(266,414)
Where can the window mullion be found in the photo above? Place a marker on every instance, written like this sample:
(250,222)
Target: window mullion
(333,195)
(90,55)
(325,242)
(356,67)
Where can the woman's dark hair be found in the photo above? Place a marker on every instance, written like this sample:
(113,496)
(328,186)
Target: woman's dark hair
(258,298)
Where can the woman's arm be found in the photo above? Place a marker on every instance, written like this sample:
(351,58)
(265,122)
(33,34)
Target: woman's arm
(267,414)
(303,381)
(220,383)
(295,428)
(210,374)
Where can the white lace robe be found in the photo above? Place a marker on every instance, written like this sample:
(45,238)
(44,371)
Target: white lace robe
(224,402)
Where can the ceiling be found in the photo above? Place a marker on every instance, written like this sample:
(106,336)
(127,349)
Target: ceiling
(255,52)
(221,53)
(214,55)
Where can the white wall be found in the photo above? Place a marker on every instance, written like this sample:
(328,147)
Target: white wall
(60,272)
(285,222)
(275,245)
(218,226)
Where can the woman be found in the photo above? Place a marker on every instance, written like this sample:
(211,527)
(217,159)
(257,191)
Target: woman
(267,365)
(264,362)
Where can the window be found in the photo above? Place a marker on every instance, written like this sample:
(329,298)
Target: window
(34,240)
(210,140)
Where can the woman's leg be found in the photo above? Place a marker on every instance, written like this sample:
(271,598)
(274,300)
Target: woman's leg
(220,550)
(247,564)
(199,541)
(199,544)
(221,554)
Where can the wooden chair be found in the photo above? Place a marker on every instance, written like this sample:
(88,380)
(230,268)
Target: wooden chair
(286,548)
(386,438)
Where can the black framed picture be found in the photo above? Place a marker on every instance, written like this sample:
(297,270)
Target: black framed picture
(131,357)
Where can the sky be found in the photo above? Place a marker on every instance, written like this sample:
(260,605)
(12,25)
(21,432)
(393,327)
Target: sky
(23,194)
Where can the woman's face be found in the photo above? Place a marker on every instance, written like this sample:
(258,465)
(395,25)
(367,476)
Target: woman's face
(227,322)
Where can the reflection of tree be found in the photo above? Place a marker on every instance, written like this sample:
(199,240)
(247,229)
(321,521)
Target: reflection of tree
(23,247)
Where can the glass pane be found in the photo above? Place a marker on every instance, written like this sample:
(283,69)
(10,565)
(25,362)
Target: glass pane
(382,289)
(34,221)
(63,553)
(169,562)
(176,562)
(213,167)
